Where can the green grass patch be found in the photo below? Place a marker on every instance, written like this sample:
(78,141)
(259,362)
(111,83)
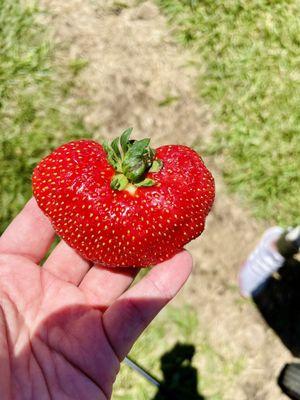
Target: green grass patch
(211,373)
(34,116)
(249,72)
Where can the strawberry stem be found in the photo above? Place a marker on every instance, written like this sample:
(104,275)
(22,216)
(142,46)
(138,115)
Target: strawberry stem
(132,160)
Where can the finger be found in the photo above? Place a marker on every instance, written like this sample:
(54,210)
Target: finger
(126,319)
(102,286)
(30,234)
(67,264)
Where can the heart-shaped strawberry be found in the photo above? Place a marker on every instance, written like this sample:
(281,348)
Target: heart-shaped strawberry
(124,204)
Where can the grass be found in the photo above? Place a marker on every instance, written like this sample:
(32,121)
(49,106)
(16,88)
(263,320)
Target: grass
(249,60)
(34,117)
(214,372)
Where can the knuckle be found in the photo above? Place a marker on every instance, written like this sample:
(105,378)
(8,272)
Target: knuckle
(135,314)
(160,289)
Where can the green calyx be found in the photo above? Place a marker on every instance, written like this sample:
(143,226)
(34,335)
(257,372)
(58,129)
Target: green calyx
(132,160)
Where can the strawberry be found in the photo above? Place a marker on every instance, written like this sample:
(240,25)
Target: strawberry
(124,204)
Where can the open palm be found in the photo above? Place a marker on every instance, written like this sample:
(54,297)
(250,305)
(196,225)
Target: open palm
(65,327)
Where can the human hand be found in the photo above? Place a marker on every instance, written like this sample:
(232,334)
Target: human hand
(65,327)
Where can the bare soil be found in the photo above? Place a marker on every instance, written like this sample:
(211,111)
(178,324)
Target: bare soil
(138,76)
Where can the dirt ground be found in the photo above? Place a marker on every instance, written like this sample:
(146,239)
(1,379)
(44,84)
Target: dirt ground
(138,76)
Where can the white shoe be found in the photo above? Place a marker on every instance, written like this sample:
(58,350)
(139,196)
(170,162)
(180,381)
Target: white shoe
(262,262)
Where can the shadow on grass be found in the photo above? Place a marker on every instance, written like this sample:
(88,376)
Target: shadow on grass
(180,380)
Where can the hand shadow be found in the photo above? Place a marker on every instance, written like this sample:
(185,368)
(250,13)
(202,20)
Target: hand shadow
(70,354)
(279,303)
(180,378)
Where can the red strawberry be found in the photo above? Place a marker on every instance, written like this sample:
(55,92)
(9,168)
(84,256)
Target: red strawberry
(124,204)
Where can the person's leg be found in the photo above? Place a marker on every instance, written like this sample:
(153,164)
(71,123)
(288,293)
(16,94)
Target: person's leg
(289,244)
(276,246)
